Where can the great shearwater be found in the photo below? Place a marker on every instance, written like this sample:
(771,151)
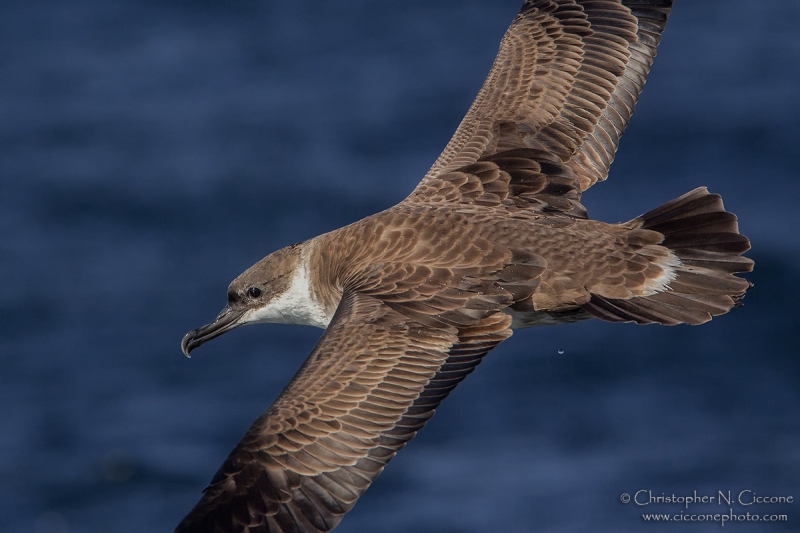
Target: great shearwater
(493,238)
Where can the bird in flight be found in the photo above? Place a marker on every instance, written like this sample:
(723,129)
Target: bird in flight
(492,239)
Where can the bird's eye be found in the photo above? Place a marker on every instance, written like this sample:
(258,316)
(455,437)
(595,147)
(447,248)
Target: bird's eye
(254,292)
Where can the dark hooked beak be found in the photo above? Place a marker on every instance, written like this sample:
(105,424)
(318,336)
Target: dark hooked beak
(226,321)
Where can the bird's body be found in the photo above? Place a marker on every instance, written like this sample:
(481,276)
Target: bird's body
(558,263)
(493,238)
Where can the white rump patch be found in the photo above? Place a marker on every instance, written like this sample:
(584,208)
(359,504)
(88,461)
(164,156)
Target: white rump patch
(669,266)
(295,306)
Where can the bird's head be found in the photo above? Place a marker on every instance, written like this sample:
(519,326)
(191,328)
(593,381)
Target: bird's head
(257,295)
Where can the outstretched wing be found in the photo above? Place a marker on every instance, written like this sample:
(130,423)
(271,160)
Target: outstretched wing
(370,384)
(546,124)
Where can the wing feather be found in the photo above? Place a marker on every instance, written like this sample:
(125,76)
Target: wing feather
(370,384)
(560,94)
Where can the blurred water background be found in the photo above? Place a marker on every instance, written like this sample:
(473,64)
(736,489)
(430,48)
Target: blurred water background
(152,150)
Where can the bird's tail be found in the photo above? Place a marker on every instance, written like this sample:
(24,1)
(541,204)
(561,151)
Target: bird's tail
(706,241)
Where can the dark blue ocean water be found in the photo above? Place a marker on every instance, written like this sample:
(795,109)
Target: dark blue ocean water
(152,150)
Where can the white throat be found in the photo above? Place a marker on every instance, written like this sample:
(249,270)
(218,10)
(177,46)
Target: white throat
(295,306)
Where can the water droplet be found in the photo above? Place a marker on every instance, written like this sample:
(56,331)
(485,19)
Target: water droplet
(560,352)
